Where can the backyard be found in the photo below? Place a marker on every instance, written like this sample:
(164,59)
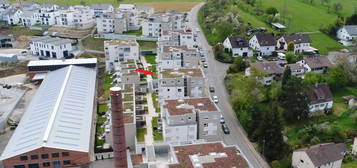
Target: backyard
(324,43)
(140,134)
(92,43)
(156,133)
(147,45)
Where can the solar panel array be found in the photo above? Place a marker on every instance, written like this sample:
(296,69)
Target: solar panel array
(60,114)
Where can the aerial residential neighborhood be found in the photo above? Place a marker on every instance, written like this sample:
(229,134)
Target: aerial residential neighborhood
(179,84)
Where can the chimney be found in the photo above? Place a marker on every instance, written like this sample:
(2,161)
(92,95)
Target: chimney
(118,132)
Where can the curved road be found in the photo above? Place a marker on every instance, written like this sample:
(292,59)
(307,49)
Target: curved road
(215,74)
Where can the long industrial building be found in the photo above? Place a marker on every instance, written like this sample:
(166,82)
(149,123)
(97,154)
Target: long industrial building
(56,129)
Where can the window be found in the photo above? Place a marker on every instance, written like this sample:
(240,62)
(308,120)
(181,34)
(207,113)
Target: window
(205,125)
(179,90)
(19,166)
(34,157)
(44,156)
(46,164)
(23,157)
(301,161)
(66,162)
(55,155)
(65,154)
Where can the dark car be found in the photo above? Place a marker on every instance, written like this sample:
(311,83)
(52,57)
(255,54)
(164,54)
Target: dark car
(211,89)
(205,65)
(225,129)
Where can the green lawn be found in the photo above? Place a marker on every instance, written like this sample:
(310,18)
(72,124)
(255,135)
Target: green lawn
(93,43)
(324,43)
(113,2)
(352,164)
(107,85)
(92,55)
(147,45)
(134,32)
(157,135)
(156,104)
(153,69)
(19,31)
(151,59)
(140,134)
(102,108)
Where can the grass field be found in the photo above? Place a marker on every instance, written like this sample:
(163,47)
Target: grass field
(151,59)
(352,164)
(324,43)
(147,45)
(93,43)
(140,134)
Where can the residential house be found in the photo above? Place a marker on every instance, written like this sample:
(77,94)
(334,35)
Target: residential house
(301,42)
(127,73)
(268,71)
(209,154)
(53,47)
(131,14)
(319,64)
(11,16)
(29,18)
(186,120)
(79,17)
(6,41)
(48,14)
(238,46)
(112,22)
(178,57)
(320,98)
(263,44)
(181,83)
(328,155)
(156,23)
(296,69)
(120,50)
(99,9)
(347,34)
(177,38)
(4,4)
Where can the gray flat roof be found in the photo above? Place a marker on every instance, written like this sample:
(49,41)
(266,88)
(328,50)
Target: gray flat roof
(63,62)
(52,40)
(60,114)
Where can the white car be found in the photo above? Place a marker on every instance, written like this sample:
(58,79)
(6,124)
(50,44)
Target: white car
(215,99)
(281,56)
(259,58)
(221,120)
(198,29)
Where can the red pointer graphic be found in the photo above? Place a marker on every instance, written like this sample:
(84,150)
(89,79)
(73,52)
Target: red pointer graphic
(144,72)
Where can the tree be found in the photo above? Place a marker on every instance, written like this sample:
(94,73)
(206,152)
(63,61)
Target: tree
(312,78)
(223,30)
(290,57)
(291,46)
(286,76)
(337,77)
(352,20)
(220,55)
(238,65)
(294,100)
(271,11)
(270,138)
(337,7)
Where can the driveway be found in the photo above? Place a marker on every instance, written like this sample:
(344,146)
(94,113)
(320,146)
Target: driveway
(215,74)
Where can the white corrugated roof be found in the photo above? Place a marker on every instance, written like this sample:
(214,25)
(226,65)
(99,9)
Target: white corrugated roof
(59,115)
(63,62)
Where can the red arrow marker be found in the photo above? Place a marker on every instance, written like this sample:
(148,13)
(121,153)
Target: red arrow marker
(144,72)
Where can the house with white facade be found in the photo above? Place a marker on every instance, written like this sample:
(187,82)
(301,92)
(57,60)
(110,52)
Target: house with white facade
(4,4)
(181,83)
(347,34)
(263,44)
(296,69)
(112,22)
(48,14)
(120,50)
(99,9)
(327,155)
(53,47)
(11,16)
(301,42)
(267,71)
(186,120)
(178,57)
(321,99)
(238,46)
(319,64)
(79,17)
(177,38)
(29,18)
(130,12)
(156,23)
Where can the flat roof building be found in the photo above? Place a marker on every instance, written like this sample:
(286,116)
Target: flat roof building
(56,129)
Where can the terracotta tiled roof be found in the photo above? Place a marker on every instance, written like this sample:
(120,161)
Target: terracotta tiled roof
(214,155)
(185,106)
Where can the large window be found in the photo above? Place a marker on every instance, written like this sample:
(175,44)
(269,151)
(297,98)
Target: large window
(65,154)
(66,162)
(55,155)
(34,157)
(23,157)
(46,164)
(44,156)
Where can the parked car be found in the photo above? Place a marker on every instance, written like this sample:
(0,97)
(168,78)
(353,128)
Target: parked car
(281,56)
(198,29)
(260,58)
(221,120)
(215,99)
(211,89)
(205,65)
(225,129)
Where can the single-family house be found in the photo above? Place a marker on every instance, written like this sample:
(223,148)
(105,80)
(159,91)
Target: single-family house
(238,46)
(53,47)
(319,64)
(347,34)
(296,69)
(269,71)
(263,44)
(320,99)
(301,42)
(328,155)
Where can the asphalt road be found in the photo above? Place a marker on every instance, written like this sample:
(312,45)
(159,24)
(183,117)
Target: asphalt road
(215,74)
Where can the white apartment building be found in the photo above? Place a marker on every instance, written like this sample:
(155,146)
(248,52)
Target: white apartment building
(263,44)
(52,47)
(11,16)
(79,17)
(181,83)
(301,42)
(112,22)
(98,9)
(186,120)
(177,38)
(130,12)
(178,57)
(120,50)
(48,14)
(156,23)
(29,18)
